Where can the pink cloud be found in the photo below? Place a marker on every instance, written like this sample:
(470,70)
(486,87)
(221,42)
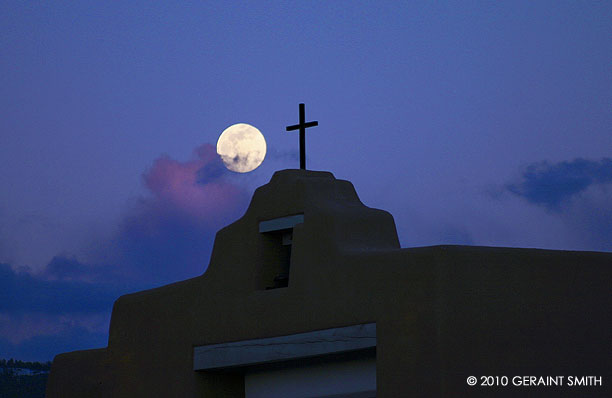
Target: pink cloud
(194,188)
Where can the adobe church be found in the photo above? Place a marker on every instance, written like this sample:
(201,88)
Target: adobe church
(310,295)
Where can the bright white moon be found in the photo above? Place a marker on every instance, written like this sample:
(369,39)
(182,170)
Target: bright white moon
(242,147)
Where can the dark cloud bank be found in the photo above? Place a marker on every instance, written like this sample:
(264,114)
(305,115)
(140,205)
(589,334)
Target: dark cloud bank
(44,347)
(579,192)
(552,185)
(48,313)
(23,292)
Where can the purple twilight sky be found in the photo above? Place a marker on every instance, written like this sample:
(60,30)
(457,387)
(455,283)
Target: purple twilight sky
(481,123)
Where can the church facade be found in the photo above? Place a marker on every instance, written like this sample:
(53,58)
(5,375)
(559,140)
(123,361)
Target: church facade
(310,295)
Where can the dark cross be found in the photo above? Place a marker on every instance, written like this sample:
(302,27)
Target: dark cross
(302,126)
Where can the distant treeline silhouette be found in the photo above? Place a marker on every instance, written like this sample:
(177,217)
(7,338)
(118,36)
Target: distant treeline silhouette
(15,363)
(16,385)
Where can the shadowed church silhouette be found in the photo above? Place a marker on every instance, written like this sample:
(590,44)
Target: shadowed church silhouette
(310,295)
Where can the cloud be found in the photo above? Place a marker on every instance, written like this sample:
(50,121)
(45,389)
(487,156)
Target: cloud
(163,236)
(40,317)
(44,347)
(22,292)
(283,156)
(513,213)
(21,327)
(62,268)
(550,185)
(160,248)
(194,189)
(589,216)
(168,235)
(274,154)
(65,307)
(577,193)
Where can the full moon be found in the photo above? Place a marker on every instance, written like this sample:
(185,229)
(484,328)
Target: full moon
(242,147)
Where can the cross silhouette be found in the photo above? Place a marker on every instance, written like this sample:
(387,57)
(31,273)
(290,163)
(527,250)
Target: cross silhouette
(302,126)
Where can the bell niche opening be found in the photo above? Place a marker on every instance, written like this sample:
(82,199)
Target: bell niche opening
(276,239)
